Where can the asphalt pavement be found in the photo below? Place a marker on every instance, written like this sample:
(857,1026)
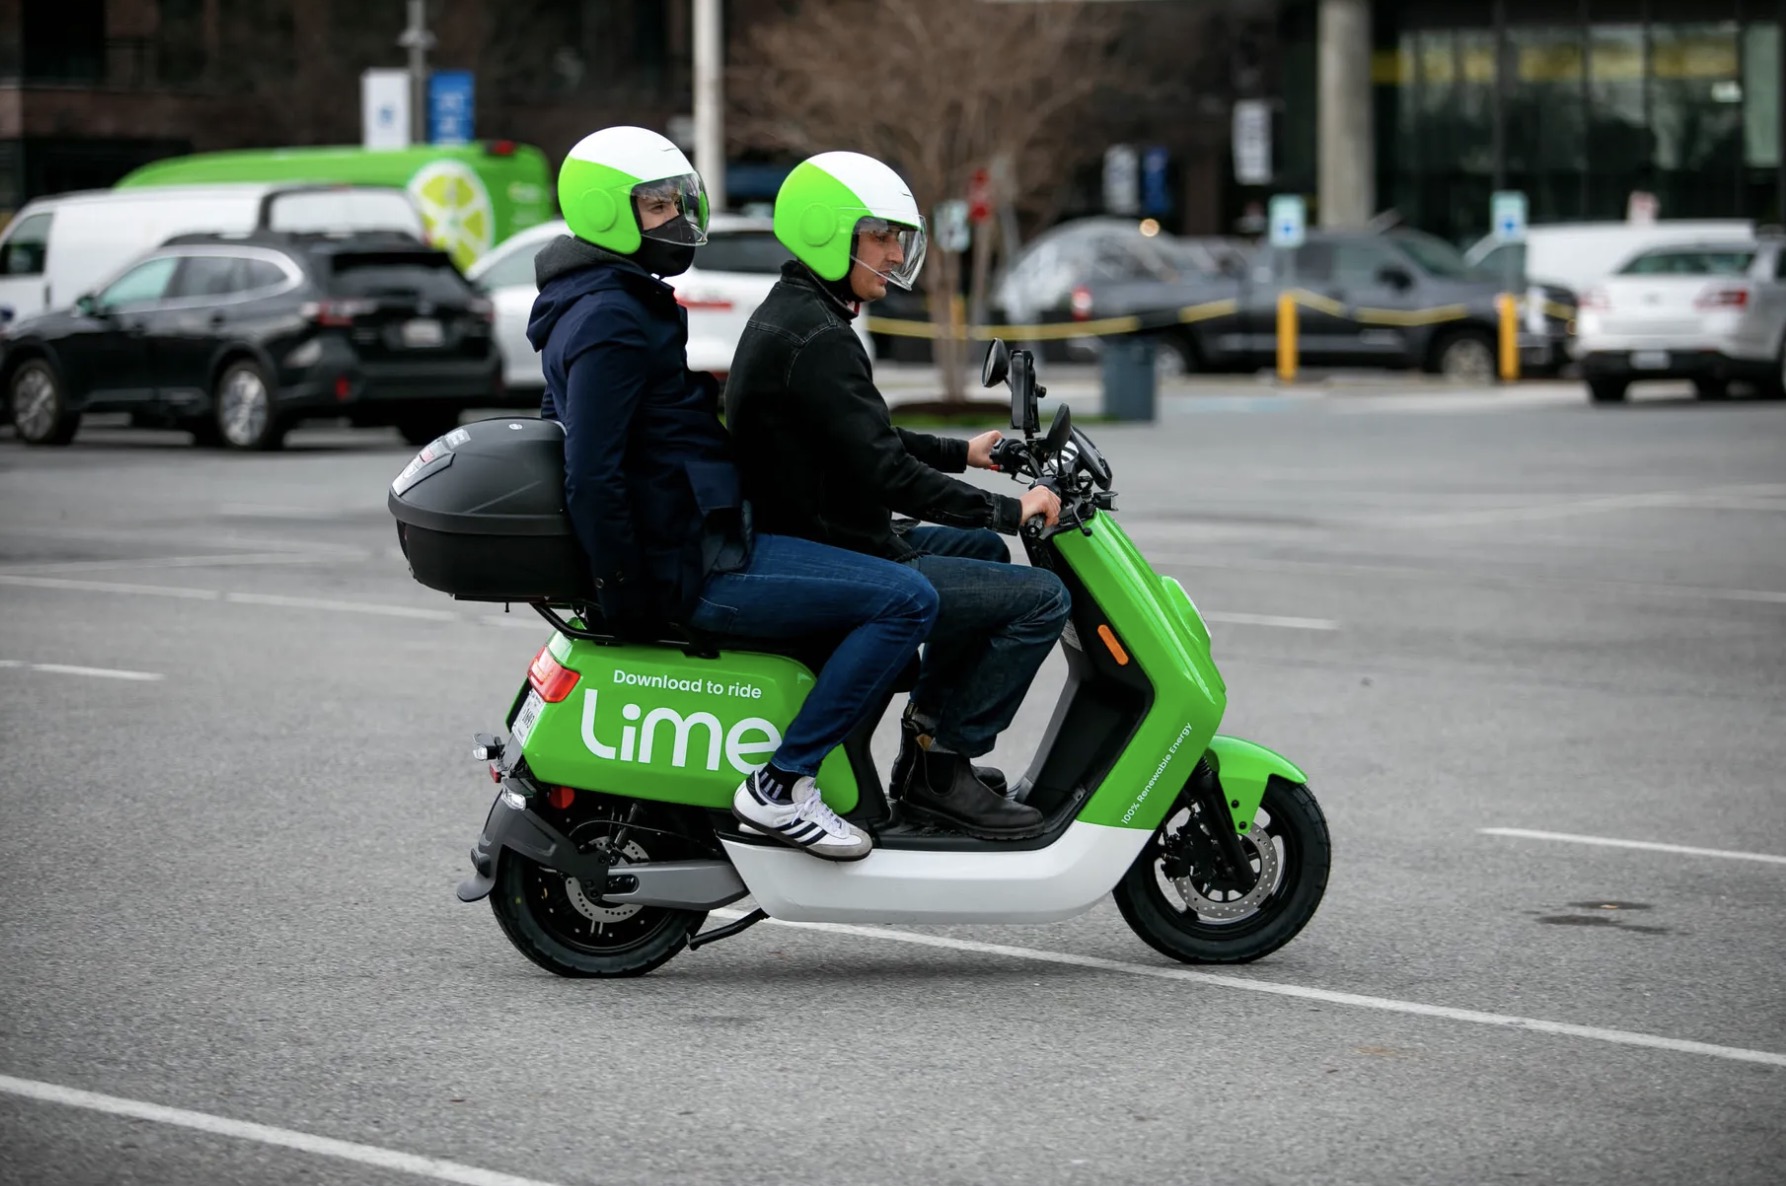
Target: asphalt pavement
(1531,653)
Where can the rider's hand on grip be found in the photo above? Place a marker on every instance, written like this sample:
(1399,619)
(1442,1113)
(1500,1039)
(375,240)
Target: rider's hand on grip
(1043,502)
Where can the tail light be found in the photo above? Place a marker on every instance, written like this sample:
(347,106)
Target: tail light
(500,148)
(1727,297)
(712,304)
(1081,303)
(483,310)
(549,678)
(336,313)
(1594,298)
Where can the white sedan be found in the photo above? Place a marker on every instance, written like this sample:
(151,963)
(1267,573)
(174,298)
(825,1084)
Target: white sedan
(1713,312)
(732,274)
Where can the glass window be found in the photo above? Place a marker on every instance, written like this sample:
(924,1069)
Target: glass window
(1675,261)
(513,270)
(202,276)
(1314,262)
(1695,96)
(262,274)
(1761,96)
(1434,255)
(26,247)
(1357,262)
(431,276)
(143,284)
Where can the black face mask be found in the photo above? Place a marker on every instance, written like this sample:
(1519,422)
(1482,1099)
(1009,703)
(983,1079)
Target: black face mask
(671,253)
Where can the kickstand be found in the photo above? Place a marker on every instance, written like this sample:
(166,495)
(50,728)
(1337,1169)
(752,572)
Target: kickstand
(727,931)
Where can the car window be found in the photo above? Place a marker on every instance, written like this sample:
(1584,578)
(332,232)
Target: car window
(263,274)
(1503,260)
(1435,256)
(758,253)
(1675,261)
(427,274)
(26,247)
(513,270)
(201,276)
(1314,262)
(1780,265)
(146,282)
(1359,263)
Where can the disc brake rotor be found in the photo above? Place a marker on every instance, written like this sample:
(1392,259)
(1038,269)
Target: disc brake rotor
(595,911)
(1227,911)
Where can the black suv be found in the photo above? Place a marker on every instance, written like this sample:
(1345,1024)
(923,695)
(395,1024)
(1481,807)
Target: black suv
(238,337)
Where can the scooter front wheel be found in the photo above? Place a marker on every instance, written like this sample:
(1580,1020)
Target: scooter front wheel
(559,924)
(1168,899)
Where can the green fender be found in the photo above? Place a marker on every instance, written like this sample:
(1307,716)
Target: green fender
(1243,769)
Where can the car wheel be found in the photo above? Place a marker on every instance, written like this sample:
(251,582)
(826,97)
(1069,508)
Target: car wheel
(1171,360)
(1606,391)
(243,408)
(1467,357)
(1775,388)
(40,412)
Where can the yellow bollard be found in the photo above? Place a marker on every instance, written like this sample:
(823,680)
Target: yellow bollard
(1286,337)
(1509,307)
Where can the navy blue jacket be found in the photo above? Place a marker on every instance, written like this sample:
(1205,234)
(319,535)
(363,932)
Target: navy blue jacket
(649,481)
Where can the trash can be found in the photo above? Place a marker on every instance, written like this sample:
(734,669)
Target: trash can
(1128,364)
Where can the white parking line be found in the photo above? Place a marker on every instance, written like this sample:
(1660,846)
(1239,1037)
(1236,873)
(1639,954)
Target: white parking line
(1273,620)
(388,1159)
(1296,991)
(69,669)
(234,559)
(278,600)
(1650,845)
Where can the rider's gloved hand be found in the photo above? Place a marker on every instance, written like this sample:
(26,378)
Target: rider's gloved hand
(1039,500)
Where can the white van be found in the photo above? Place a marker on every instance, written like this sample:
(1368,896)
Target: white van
(1578,255)
(57,248)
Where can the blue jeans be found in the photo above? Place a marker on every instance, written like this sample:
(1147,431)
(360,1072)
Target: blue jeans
(794,588)
(996,624)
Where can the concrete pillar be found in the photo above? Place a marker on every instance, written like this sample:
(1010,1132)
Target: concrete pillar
(1346,144)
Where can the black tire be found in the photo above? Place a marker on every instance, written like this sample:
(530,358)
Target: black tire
(1607,391)
(1465,356)
(419,428)
(1774,386)
(1712,388)
(39,405)
(551,921)
(245,409)
(1174,358)
(1293,822)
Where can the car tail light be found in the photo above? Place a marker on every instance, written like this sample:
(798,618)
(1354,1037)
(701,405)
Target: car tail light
(336,312)
(1727,297)
(1595,298)
(549,678)
(483,310)
(1081,303)
(712,304)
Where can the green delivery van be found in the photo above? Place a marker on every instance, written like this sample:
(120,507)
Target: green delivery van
(470,196)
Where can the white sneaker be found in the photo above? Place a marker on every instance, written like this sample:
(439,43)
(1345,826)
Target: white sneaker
(806,823)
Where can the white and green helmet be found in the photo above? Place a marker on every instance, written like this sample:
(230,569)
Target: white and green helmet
(608,169)
(826,201)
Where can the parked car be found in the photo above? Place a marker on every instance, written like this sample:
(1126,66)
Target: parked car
(56,248)
(1713,312)
(239,337)
(1398,299)
(732,274)
(1578,255)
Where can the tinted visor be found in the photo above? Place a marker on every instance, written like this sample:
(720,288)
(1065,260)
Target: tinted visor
(876,238)
(677,204)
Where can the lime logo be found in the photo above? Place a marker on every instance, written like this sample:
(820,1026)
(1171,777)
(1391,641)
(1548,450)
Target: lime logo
(455,209)
(752,737)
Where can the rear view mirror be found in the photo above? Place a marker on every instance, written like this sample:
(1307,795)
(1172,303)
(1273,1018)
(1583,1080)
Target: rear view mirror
(1395,276)
(87,305)
(1060,430)
(997,364)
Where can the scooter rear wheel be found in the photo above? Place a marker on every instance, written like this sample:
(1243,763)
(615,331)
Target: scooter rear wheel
(1183,917)
(565,928)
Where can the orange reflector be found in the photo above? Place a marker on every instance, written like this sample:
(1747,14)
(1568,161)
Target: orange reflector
(1116,652)
(560,797)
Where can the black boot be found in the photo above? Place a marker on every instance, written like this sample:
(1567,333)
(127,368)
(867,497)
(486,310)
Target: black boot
(909,749)
(943,792)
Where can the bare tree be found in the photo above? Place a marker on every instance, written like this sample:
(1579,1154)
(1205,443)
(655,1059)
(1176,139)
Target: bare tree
(937,88)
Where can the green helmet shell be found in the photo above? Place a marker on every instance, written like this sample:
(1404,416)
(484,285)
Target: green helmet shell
(598,177)
(820,202)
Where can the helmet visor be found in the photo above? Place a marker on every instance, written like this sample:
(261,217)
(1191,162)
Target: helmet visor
(672,210)
(891,250)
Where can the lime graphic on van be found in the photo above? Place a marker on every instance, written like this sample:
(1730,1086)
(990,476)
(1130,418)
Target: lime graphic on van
(470,196)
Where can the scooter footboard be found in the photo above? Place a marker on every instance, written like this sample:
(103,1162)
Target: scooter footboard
(1244,768)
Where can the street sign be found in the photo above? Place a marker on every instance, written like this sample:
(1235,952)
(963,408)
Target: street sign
(451,107)
(1289,221)
(1121,194)
(1251,133)
(952,231)
(1155,198)
(384,109)
(1507,215)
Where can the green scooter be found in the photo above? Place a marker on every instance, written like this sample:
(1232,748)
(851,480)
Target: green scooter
(611,837)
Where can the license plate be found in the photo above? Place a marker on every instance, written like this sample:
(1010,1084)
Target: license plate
(1649,360)
(423,331)
(527,718)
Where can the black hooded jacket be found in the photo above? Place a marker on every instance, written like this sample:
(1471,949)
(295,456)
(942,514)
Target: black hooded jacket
(814,441)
